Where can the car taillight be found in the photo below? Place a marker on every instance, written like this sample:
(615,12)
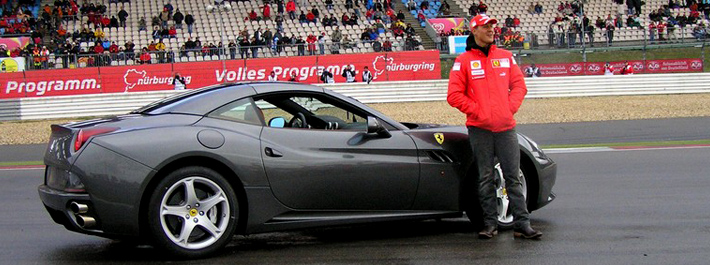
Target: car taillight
(84,134)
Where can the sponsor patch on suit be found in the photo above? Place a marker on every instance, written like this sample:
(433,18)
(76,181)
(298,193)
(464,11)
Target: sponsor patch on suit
(456,67)
(475,73)
(501,63)
(475,64)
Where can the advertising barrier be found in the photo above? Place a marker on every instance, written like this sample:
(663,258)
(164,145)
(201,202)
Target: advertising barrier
(446,24)
(597,68)
(398,66)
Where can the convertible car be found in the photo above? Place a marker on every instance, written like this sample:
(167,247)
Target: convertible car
(190,171)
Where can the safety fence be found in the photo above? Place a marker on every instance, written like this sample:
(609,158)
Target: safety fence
(376,92)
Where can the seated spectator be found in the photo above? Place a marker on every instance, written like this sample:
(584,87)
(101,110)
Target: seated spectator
(411,5)
(538,8)
(374,34)
(347,42)
(411,44)
(113,48)
(302,18)
(315,12)
(409,30)
(145,56)
(398,32)
(345,19)
(482,7)
(172,32)
(113,22)
(420,16)
(142,24)
(376,45)
(531,8)
(516,22)
(252,16)
(156,33)
(387,45)
(365,36)
(325,21)
(509,22)
(151,47)
(311,18)
(424,5)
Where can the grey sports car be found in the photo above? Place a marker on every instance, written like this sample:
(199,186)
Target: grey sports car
(189,171)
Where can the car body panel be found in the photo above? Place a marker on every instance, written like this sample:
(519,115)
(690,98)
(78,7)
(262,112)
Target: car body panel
(346,170)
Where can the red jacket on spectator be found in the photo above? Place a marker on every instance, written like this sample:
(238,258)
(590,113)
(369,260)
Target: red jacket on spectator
(516,22)
(145,57)
(370,13)
(113,48)
(291,6)
(98,48)
(661,28)
(311,42)
(267,11)
(253,15)
(105,21)
(172,31)
(310,16)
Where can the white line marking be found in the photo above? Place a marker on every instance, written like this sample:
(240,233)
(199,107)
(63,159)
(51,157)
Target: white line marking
(609,149)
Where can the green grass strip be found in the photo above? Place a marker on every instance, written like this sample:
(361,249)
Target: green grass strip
(21,163)
(645,144)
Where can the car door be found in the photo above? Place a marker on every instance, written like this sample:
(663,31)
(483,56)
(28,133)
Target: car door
(339,167)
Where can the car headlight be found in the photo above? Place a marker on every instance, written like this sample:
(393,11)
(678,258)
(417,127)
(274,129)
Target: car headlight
(64,180)
(535,149)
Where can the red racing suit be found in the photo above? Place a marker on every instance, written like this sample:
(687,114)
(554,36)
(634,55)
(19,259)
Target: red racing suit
(488,89)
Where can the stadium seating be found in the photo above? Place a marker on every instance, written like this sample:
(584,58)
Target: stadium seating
(207,25)
(538,24)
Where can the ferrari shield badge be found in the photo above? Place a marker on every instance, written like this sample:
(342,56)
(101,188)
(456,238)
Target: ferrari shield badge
(439,138)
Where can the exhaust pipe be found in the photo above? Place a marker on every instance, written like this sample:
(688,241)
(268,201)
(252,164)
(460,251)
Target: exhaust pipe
(85,221)
(78,208)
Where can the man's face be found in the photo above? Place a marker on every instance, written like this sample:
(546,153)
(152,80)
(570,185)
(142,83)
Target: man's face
(484,34)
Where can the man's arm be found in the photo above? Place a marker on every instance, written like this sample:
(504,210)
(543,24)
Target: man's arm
(517,87)
(458,85)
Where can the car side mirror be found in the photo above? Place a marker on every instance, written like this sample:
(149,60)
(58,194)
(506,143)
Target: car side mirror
(277,122)
(375,127)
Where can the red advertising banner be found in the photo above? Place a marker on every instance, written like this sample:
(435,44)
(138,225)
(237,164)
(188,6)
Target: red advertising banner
(398,66)
(597,68)
(446,24)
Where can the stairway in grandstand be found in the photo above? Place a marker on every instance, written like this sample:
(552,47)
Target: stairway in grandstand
(207,25)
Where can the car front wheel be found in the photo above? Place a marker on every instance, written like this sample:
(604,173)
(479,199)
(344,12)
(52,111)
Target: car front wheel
(193,212)
(505,210)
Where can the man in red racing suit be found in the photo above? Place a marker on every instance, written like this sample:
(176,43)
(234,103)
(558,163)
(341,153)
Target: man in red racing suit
(487,85)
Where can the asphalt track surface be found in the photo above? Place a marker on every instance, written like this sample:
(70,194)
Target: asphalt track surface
(614,207)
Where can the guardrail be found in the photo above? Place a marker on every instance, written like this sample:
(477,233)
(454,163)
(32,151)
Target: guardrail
(377,92)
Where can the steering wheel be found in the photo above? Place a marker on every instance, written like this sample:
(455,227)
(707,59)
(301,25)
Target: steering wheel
(298,121)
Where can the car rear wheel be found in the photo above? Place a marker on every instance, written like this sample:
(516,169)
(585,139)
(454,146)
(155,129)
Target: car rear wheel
(193,212)
(505,210)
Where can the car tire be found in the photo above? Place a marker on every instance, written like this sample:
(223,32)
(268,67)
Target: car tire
(505,211)
(474,212)
(192,212)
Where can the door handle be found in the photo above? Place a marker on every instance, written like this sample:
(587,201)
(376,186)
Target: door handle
(272,153)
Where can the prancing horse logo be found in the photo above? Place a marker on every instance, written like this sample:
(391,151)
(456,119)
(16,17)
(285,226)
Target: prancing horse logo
(439,138)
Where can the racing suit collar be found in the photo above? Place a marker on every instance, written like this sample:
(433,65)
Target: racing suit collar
(471,45)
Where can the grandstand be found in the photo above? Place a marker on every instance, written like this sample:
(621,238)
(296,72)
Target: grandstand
(538,23)
(207,25)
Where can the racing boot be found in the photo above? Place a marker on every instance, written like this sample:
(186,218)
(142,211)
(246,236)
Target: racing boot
(526,232)
(488,232)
